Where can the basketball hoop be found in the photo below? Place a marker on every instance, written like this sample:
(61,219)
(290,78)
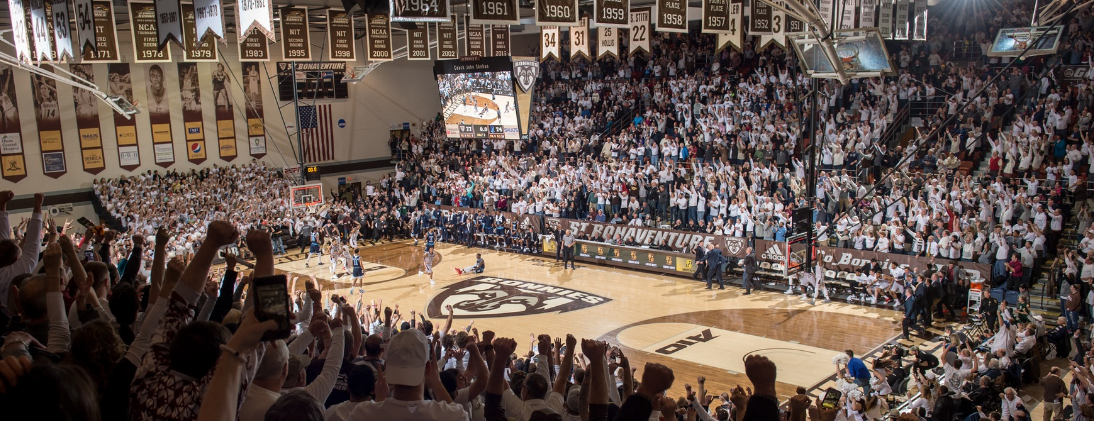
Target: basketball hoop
(1022,37)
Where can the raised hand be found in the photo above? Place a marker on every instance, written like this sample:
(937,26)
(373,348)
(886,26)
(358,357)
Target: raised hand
(222,233)
(761,371)
(504,346)
(162,236)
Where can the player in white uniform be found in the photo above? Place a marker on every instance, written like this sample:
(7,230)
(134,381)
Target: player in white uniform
(817,282)
(427,263)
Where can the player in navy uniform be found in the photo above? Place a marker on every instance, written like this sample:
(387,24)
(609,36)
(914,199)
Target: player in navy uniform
(314,249)
(430,237)
(416,229)
(358,272)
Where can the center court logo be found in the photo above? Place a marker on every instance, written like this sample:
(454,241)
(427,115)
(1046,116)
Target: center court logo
(486,296)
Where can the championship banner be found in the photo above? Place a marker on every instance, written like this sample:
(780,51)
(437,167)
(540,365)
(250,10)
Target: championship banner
(40,32)
(86,24)
(20,30)
(607,42)
(640,30)
(340,39)
(226,120)
(793,24)
(194,49)
(105,34)
(826,8)
(716,17)
(495,12)
(169,22)
(759,18)
(13,165)
(47,113)
(499,45)
(87,121)
(378,37)
(146,48)
(209,19)
(557,12)
(417,43)
(919,31)
(900,21)
(866,15)
(254,15)
(475,38)
(256,47)
(190,92)
(611,13)
(549,47)
(129,155)
(295,39)
(672,16)
(525,74)
(734,37)
(62,32)
(778,30)
(448,46)
(159,116)
(418,10)
(579,40)
(847,18)
(252,91)
(885,19)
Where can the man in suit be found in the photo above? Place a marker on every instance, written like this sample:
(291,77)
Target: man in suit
(909,312)
(700,265)
(713,261)
(748,269)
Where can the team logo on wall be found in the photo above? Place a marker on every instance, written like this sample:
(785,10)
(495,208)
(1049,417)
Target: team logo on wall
(527,72)
(487,296)
(734,245)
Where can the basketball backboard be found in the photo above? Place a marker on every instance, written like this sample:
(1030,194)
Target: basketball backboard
(861,53)
(304,196)
(1012,42)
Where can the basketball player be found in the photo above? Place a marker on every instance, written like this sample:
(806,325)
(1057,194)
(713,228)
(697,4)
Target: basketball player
(478,267)
(314,249)
(430,239)
(7,106)
(336,256)
(508,107)
(220,88)
(157,98)
(817,282)
(427,264)
(47,100)
(358,272)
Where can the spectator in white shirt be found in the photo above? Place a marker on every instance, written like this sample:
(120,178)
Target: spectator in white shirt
(408,371)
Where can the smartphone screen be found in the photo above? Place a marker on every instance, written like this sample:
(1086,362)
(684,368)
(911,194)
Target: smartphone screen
(85,222)
(831,398)
(272,303)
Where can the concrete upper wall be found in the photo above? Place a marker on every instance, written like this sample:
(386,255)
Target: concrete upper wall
(398,91)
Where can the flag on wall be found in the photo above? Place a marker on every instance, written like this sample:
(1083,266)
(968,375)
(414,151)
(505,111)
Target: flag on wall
(318,132)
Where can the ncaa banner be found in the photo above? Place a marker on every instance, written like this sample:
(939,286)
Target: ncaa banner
(254,15)
(159,115)
(87,121)
(475,36)
(209,20)
(378,37)
(85,25)
(866,15)
(611,13)
(129,155)
(525,74)
(579,40)
(252,92)
(885,19)
(41,34)
(900,22)
(13,164)
(62,32)
(607,42)
(672,16)
(548,40)
(20,30)
(919,31)
(169,22)
(146,48)
(640,30)
(225,113)
(190,92)
(47,113)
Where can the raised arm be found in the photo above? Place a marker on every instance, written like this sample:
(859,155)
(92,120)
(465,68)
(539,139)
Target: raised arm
(565,366)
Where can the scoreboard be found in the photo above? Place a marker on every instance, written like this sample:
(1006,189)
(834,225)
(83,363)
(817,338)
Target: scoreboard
(631,257)
(480,131)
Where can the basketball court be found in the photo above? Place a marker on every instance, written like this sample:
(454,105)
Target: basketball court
(483,109)
(651,317)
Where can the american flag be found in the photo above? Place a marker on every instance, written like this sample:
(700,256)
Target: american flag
(317,130)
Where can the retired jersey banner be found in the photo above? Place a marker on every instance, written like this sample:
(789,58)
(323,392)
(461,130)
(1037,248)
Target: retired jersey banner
(295,39)
(919,25)
(418,10)
(715,16)
(778,29)
(47,113)
(866,15)
(640,30)
(499,41)
(448,46)
(17,11)
(119,78)
(190,92)
(209,19)
(734,37)
(85,25)
(252,92)
(885,19)
(340,41)
(417,43)
(900,20)
(379,37)
(557,12)
(194,49)
(549,46)
(13,164)
(611,13)
(672,16)
(169,22)
(105,35)
(146,48)
(579,40)
(87,121)
(40,34)
(607,42)
(159,115)
(225,112)
(61,15)
(256,47)
(495,12)
(254,15)
(475,38)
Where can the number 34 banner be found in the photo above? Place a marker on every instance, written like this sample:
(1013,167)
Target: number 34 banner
(548,36)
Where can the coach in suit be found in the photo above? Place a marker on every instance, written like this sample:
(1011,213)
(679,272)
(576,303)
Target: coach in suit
(910,312)
(748,269)
(713,261)
(558,244)
(700,265)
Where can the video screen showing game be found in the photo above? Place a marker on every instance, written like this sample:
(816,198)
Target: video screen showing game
(477,98)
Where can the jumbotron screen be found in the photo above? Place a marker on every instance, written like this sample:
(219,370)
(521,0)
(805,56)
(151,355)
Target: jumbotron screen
(477,98)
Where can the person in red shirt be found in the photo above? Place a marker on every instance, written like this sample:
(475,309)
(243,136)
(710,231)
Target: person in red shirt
(1014,269)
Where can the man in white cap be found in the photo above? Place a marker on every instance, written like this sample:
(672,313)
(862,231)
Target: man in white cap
(409,369)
